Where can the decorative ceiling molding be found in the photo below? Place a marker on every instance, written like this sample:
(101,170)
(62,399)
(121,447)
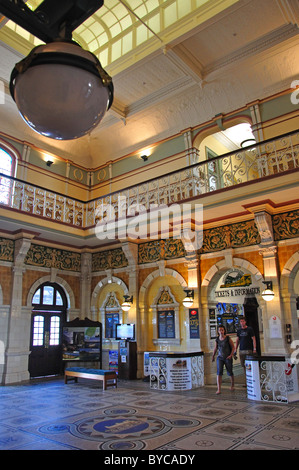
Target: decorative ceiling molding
(274,38)
(289,10)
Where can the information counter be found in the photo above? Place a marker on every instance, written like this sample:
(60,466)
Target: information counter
(271,378)
(176,370)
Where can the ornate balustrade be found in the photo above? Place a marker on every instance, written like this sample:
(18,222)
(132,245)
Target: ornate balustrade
(264,159)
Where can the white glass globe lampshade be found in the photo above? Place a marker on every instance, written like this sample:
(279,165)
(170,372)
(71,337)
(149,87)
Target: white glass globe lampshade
(268,295)
(62,92)
(188,302)
(125,306)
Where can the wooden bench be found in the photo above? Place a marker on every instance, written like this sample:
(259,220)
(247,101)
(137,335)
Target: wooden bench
(108,377)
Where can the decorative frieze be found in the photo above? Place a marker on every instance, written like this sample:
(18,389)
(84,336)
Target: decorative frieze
(47,257)
(109,259)
(286,225)
(248,233)
(6,249)
(157,250)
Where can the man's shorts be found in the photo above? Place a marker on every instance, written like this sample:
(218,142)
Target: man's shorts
(243,354)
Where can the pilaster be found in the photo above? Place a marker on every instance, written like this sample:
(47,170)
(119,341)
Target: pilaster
(85,285)
(17,351)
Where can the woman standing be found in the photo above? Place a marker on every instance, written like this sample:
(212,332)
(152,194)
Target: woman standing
(226,348)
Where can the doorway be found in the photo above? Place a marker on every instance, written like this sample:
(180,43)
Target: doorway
(251,317)
(48,316)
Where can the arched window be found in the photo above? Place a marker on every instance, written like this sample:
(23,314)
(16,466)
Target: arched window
(6,168)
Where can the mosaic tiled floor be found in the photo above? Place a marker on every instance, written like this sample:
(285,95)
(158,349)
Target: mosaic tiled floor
(49,415)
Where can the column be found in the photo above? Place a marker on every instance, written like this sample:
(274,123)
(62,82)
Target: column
(273,316)
(133,316)
(18,334)
(85,286)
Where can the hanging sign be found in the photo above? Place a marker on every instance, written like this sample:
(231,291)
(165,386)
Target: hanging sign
(234,286)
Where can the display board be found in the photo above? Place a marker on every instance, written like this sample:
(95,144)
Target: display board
(166,328)
(82,341)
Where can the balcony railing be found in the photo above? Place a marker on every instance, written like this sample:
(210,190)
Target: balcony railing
(272,157)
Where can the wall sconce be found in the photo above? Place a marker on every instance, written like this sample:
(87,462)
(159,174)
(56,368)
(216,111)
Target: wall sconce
(268,293)
(126,305)
(49,162)
(189,299)
(144,157)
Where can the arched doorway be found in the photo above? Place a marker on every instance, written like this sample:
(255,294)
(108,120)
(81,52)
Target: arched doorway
(48,315)
(251,316)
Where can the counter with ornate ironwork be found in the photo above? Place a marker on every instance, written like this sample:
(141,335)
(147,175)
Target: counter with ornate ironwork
(176,370)
(271,378)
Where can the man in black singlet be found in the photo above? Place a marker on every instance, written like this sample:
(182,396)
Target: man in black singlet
(246,340)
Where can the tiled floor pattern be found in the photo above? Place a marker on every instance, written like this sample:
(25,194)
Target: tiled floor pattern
(49,415)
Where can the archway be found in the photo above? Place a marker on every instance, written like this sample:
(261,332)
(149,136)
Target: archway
(289,295)
(49,307)
(147,314)
(244,294)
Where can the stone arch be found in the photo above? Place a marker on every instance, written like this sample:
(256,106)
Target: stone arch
(150,278)
(289,272)
(58,280)
(220,266)
(214,128)
(210,280)
(163,271)
(104,282)
(288,294)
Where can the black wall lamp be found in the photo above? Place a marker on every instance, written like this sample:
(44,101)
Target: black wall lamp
(127,304)
(61,90)
(268,293)
(189,299)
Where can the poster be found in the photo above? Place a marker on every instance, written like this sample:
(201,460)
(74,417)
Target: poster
(179,373)
(111,319)
(113,359)
(146,364)
(253,380)
(193,323)
(166,324)
(275,327)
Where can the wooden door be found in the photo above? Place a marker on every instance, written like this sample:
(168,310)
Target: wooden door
(48,317)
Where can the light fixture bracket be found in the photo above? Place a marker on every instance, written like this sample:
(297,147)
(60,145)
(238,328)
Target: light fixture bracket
(269,285)
(52,19)
(189,293)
